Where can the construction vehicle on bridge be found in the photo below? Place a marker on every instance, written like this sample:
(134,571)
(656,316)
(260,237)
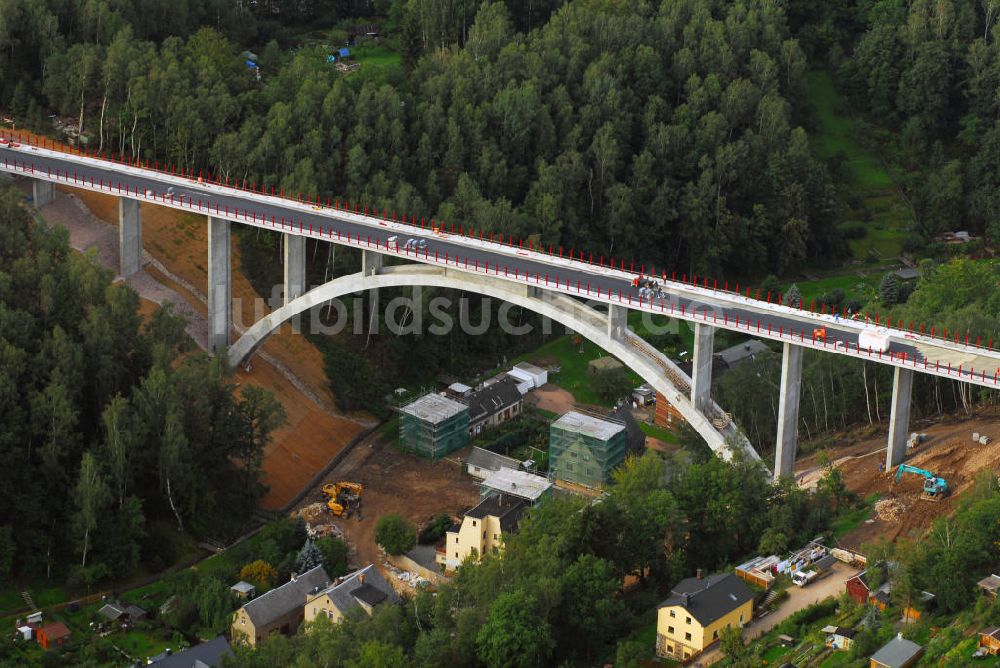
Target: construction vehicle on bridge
(343,498)
(935,488)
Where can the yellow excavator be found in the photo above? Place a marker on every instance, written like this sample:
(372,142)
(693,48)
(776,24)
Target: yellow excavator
(342,497)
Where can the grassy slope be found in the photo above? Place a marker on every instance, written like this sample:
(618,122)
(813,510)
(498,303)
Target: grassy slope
(836,134)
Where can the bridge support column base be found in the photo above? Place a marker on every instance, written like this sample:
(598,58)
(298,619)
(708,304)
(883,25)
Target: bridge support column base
(899,421)
(701,369)
(788,411)
(617,321)
(42,192)
(129,236)
(219,285)
(295,266)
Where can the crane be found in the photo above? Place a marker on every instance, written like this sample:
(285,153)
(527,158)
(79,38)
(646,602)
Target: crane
(935,488)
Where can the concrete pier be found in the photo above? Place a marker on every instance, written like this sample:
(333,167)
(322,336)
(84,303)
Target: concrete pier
(617,321)
(701,365)
(129,236)
(371,264)
(219,285)
(42,192)
(295,266)
(899,420)
(788,410)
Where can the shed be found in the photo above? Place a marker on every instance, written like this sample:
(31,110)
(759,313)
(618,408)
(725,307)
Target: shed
(481,462)
(990,585)
(604,365)
(644,395)
(55,634)
(244,590)
(897,653)
(759,570)
(839,637)
(990,639)
(525,371)
(26,632)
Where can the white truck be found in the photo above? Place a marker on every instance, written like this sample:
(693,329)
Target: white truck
(802,578)
(875,339)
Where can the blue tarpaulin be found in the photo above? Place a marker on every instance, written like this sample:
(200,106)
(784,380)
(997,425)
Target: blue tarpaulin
(344,53)
(250,63)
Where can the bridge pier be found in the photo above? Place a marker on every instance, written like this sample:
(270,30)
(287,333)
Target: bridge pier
(899,420)
(295,266)
(371,264)
(617,321)
(219,285)
(701,365)
(129,236)
(788,410)
(42,192)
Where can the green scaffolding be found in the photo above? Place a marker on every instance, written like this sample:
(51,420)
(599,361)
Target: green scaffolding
(434,438)
(582,458)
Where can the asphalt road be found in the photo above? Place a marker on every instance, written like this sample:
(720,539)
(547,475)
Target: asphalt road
(576,277)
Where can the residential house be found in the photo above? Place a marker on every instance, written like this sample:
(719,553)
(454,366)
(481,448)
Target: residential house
(482,462)
(897,653)
(512,482)
(364,589)
(280,610)
(434,425)
(53,634)
(990,639)
(839,637)
(481,530)
(244,590)
(584,449)
(203,655)
(492,405)
(697,611)
(741,353)
(989,585)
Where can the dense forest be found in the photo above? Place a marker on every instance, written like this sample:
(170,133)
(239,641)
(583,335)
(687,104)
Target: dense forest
(667,134)
(112,436)
(555,597)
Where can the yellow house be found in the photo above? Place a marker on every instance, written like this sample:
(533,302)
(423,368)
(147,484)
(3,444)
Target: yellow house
(365,589)
(697,611)
(280,610)
(481,530)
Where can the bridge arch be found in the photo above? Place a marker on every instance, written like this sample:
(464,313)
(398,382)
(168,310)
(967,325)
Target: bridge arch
(721,434)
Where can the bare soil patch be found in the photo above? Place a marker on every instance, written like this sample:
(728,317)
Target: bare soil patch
(948,452)
(396,482)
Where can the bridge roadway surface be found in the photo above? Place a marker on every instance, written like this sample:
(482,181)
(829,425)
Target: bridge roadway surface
(579,278)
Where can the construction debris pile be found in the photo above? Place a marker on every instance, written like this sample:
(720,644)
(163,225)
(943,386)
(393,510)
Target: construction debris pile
(314,513)
(889,510)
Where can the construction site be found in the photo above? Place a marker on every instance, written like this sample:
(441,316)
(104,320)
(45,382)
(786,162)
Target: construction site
(945,448)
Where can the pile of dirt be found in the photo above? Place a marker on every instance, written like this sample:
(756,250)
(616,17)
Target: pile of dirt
(888,510)
(314,513)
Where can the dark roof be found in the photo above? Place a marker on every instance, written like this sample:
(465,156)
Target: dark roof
(492,399)
(845,632)
(507,508)
(369,594)
(366,585)
(826,562)
(281,600)
(484,459)
(111,611)
(635,437)
(55,630)
(135,612)
(897,652)
(204,654)
(709,598)
(741,352)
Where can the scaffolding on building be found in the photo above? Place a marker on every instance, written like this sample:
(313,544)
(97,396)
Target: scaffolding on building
(434,426)
(584,449)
